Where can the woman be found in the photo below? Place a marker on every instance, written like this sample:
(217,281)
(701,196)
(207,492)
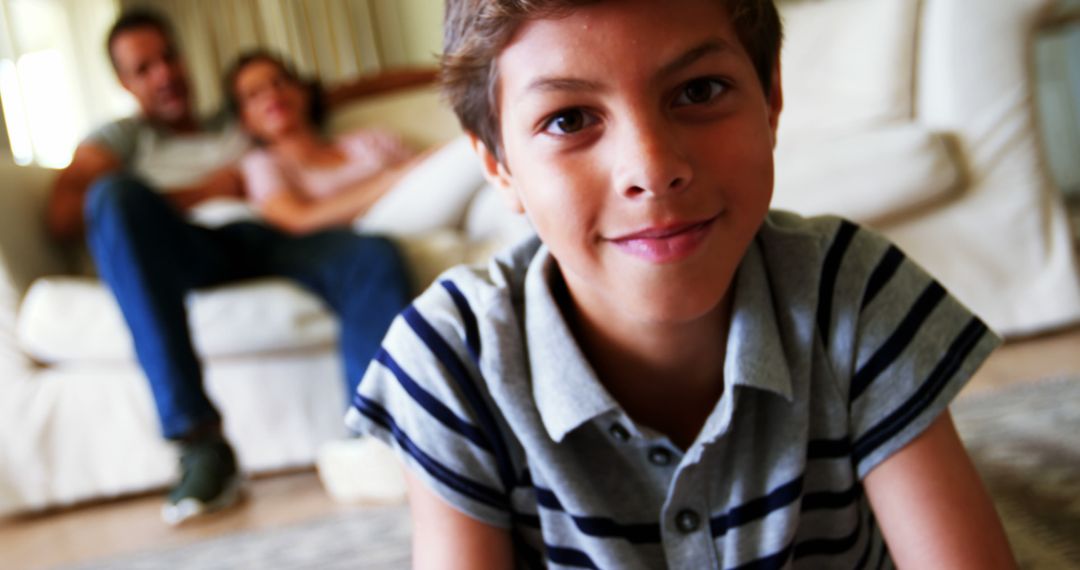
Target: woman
(308,189)
(300,180)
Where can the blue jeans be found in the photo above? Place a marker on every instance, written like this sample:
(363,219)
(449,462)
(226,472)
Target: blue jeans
(152,258)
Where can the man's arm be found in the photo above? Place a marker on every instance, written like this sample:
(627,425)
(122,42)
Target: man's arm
(446,539)
(932,507)
(64,213)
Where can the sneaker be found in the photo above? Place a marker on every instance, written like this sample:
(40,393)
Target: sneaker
(209,481)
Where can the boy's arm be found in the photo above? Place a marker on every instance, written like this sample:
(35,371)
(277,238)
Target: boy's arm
(446,539)
(932,507)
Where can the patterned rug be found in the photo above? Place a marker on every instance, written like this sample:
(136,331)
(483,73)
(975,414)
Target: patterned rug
(374,539)
(1025,441)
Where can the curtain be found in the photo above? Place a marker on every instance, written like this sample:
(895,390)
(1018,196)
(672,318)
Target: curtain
(332,40)
(55,79)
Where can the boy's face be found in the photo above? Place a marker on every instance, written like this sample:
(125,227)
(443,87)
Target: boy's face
(637,138)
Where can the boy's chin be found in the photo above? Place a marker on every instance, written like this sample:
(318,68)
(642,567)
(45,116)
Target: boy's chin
(681,309)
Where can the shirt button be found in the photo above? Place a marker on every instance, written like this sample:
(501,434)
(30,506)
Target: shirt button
(659,456)
(687,521)
(618,432)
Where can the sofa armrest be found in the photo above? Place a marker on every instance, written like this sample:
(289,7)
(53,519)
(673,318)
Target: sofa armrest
(26,250)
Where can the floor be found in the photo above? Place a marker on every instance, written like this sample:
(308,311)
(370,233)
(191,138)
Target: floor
(128,525)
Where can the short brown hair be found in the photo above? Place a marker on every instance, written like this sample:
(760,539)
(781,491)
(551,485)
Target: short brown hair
(316,112)
(475,31)
(137,19)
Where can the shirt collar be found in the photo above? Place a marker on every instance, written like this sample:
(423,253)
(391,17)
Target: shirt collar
(755,355)
(566,389)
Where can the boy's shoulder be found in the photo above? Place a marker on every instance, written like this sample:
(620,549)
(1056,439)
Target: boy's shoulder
(500,281)
(801,250)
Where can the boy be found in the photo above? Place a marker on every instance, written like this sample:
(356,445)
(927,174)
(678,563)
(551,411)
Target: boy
(670,376)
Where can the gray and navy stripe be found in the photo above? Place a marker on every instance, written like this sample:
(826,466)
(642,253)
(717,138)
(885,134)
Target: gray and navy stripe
(453,391)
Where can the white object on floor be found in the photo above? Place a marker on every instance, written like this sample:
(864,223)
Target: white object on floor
(361,469)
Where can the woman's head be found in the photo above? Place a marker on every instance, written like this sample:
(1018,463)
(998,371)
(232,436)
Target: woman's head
(270,99)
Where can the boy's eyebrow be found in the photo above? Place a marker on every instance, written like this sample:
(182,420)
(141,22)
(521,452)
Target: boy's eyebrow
(573,84)
(687,59)
(562,84)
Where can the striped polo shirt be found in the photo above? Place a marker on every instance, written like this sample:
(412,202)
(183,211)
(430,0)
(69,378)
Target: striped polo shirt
(840,352)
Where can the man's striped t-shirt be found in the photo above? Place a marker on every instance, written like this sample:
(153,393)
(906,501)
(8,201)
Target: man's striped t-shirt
(840,352)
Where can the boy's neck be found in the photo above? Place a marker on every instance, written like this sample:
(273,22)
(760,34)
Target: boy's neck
(666,376)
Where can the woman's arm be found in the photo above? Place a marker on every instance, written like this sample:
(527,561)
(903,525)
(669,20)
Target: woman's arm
(298,214)
(932,507)
(446,539)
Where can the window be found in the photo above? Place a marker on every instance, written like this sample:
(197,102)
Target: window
(55,80)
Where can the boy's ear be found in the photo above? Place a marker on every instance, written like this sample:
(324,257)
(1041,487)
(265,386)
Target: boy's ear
(775,99)
(497,174)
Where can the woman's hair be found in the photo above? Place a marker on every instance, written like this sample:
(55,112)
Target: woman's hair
(476,31)
(316,101)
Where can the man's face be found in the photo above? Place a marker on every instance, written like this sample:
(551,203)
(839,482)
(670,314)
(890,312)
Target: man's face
(151,70)
(637,138)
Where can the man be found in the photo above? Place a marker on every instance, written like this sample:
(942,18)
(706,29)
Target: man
(165,144)
(134,188)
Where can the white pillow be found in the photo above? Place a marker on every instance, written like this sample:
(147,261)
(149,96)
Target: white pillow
(871,177)
(433,196)
(847,64)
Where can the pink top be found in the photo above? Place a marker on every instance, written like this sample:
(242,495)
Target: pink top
(366,153)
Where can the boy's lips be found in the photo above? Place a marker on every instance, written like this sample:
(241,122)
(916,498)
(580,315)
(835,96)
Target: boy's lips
(664,244)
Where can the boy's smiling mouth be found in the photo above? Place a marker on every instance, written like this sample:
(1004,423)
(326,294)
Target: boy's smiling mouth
(665,244)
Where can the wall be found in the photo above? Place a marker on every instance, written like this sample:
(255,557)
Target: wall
(5,149)
(333,40)
(1058,93)
(422,26)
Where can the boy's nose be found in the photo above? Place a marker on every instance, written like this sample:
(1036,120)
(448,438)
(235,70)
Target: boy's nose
(651,163)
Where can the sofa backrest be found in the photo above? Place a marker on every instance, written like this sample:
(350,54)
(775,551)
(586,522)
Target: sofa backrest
(419,115)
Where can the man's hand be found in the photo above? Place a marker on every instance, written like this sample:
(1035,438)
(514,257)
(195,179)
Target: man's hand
(64,213)
(224,183)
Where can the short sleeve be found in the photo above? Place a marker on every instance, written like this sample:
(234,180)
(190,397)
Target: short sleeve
(901,346)
(118,137)
(423,396)
(262,177)
(378,148)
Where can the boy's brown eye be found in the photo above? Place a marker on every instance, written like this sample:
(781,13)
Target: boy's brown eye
(567,122)
(700,91)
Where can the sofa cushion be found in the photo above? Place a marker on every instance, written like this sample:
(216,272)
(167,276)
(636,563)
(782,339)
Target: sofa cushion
(876,177)
(847,64)
(433,196)
(66,319)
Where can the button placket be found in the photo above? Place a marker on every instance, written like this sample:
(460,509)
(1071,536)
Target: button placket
(619,432)
(660,456)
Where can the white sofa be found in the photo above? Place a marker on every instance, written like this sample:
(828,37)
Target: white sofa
(912,116)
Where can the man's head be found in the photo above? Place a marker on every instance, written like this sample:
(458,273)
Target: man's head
(143,52)
(637,135)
